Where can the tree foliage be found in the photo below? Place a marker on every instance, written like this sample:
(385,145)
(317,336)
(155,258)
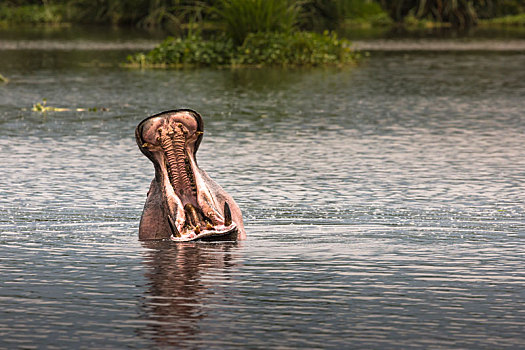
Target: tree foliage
(459,13)
(240,17)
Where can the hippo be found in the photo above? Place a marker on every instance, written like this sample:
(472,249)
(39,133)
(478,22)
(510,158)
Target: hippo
(183,203)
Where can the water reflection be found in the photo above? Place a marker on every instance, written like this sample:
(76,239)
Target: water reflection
(180,281)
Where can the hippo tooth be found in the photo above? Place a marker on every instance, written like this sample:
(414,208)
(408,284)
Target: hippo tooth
(191,214)
(227,215)
(173,226)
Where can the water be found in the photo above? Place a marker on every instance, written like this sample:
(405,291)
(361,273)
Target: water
(383,205)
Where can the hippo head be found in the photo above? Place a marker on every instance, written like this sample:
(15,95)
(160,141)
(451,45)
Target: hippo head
(183,202)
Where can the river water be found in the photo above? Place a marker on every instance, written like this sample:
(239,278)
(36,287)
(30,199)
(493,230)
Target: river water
(384,205)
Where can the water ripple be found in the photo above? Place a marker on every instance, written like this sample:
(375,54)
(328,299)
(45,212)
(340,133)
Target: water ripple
(383,204)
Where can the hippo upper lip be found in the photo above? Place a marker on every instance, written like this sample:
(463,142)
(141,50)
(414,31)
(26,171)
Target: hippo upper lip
(139,131)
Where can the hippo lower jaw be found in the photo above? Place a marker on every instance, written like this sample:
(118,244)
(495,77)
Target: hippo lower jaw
(182,195)
(217,233)
(194,224)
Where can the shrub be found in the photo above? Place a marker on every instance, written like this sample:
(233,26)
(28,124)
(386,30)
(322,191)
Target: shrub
(296,49)
(189,51)
(330,14)
(32,13)
(258,49)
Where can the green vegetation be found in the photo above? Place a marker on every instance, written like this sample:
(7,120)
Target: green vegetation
(516,20)
(455,13)
(32,13)
(258,49)
(3,79)
(332,14)
(239,16)
(256,33)
(297,48)
(44,108)
(261,32)
(459,13)
(190,51)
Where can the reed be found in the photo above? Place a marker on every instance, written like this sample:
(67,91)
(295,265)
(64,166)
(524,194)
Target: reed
(331,14)
(32,13)
(458,13)
(242,17)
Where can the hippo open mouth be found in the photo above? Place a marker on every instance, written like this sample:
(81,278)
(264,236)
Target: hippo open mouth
(183,202)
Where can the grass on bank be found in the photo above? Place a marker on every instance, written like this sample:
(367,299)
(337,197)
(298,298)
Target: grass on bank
(258,49)
(33,14)
(410,22)
(515,21)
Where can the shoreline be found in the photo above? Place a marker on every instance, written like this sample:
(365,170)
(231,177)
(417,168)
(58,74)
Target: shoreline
(77,45)
(499,45)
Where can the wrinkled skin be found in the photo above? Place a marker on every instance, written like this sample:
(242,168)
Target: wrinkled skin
(183,203)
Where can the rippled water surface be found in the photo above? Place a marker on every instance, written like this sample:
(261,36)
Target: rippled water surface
(384,205)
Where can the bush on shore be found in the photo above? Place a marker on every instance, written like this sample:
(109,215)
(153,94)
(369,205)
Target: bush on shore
(294,49)
(258,49)
(515,21)
(48,14)
(190,51)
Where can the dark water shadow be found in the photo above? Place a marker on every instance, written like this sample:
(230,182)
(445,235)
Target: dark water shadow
(180,280)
